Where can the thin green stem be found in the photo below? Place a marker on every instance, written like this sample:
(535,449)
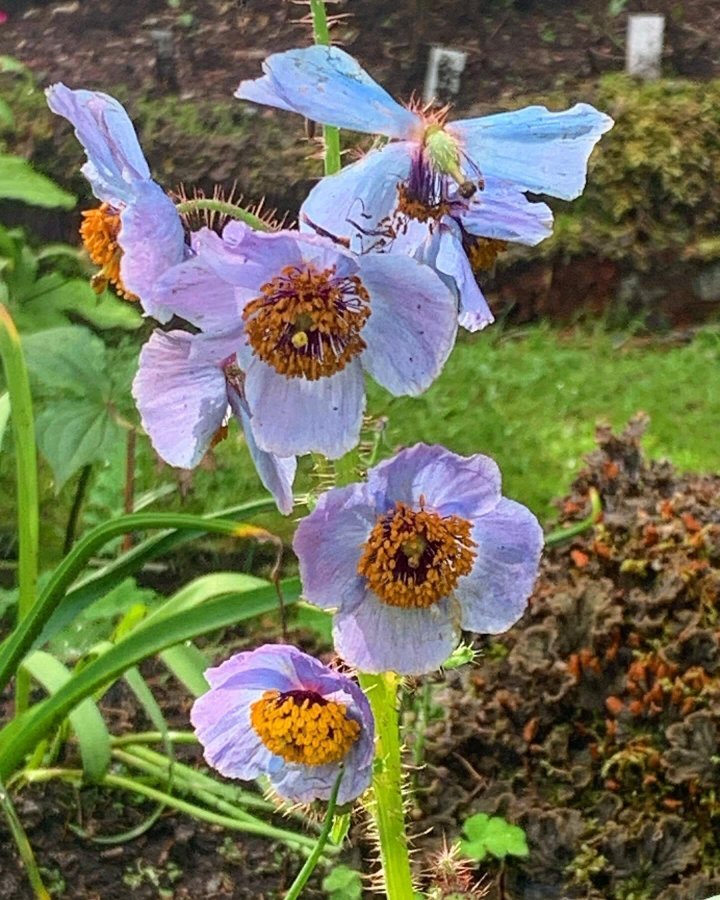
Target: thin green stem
(387,806)
(331,135)
(312,861)
(23,844)
(153,737)
(223,208)
(565,534)
(18,385)
(74,776)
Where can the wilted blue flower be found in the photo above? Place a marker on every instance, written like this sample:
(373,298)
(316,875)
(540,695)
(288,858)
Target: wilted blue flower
(462,182)
(136,234)
(185,388)
(278,712)
(426,547)
(309,318)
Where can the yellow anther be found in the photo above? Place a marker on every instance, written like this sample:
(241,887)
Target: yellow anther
(99,230)
(307,322)
(303,727)
(414,558)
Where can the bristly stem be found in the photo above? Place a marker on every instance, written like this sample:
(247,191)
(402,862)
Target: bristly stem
(387,807)
(18,385)
(331,135)
(224,209)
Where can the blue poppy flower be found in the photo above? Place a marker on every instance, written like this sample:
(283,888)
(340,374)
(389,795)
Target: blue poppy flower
(447,191)
(185,388)
(426,547)
(278,712)
(309,318)
(136,234)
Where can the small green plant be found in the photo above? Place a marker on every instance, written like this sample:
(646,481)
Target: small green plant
(343,883)
(494,836)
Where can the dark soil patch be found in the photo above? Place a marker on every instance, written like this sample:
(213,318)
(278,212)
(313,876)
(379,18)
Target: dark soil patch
(595,722)
(513,47)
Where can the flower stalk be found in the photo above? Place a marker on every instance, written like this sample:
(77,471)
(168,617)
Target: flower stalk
(331,135)
(387,808)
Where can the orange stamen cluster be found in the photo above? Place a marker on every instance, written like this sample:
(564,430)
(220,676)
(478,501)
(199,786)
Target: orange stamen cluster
(416,208)
(414,558)
(307,323)
(99,230)
(303,727)
(482,252)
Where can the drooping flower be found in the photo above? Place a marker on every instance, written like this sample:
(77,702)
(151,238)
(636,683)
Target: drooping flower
(457,187)
(426,547)
(309,318)
(135,234)
(185,388)
(278,712)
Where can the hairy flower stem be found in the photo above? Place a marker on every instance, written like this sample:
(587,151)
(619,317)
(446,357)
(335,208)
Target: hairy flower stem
(331,135)
(223,208)
(387,807)
(18,386)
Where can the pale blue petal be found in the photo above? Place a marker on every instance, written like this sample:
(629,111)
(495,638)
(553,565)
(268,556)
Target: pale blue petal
(451,261)
(328,544)
(152,240)
(182,404)
(293,416)
(538,150)
(352,203)
(467,486)
(509,543)
(194,291)
(327,85)
(503,212)
(412,325)
(276,473)
(376,637)
(268,667)
(115,160)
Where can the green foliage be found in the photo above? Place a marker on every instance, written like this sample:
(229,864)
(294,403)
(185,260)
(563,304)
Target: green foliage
(80,425)
(19,181)
(492,835)
(45,288)
(343,883)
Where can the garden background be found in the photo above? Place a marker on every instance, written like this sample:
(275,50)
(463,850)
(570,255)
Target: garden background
(614,314)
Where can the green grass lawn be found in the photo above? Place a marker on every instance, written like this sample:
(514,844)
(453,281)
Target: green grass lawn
(530,399)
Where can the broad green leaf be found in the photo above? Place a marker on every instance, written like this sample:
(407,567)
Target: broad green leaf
(188,665)
(73,433)
(85,720)
(70,359)
(47,303)
(4,414)
(343,883)
(19,181)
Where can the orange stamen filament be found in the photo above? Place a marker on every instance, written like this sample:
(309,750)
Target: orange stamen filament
(303,727)
(307,323)
(414,558)
(99,230)
(482,252)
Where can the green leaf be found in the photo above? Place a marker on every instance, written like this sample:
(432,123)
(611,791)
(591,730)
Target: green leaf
(85,720)
(23,733)
(73,433)
(4,414)
(188,665)
(47,303)
(70,359)
(343,883)
(19,181)
(493,835)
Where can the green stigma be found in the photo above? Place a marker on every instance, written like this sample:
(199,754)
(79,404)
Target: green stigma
(443,152)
